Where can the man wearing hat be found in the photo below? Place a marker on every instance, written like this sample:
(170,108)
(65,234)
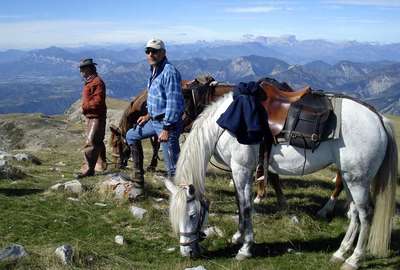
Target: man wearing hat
(165,108)
(95,111)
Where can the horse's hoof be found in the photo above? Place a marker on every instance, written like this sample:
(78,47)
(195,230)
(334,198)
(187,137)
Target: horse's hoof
(241,256)
(346,266)
(336,260)
(257,200)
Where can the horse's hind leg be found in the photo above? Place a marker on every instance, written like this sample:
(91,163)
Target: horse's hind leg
(242,178)
(360,196)
(338,256)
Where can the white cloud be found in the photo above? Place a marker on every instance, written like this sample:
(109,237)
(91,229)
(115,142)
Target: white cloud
(377,3)
(36,34)
(253,9)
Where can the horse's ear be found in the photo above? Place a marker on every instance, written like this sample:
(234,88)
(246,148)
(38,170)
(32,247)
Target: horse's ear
(170,186)
(114,129)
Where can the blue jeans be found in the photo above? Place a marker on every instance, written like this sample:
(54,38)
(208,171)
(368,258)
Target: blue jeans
(170,148)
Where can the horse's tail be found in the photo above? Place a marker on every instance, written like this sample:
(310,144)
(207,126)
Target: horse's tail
(384,192)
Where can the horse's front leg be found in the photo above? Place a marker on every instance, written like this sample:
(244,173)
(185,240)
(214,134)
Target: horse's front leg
(154,159)
(242,178)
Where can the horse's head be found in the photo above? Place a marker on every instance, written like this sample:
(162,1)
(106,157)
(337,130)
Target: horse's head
(188,215)
(197,93)
(120,150)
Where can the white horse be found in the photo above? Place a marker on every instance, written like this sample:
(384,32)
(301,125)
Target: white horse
(365,153)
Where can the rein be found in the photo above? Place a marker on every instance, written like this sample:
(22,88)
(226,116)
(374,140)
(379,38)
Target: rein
(200,235)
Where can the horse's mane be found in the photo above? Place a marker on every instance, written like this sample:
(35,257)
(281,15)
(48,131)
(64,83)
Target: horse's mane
(198,148)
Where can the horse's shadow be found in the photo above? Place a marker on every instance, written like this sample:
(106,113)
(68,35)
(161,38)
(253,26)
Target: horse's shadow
(280,248)
(19,192)
(294,183)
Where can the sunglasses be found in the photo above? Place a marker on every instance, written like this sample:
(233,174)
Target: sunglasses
(151,50)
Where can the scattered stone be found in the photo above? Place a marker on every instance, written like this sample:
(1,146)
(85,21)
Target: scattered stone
(119,239)
(158,199)
(290,250)
(65,253)
(73,186)
(57,187)
(21,157)
(157,206)
(62,164)
(200,267)
(235,218)
(13,252)
(231,184)
(3,162)
(137,212)
(100,204)
(116,184)
(212,214)
(294,220)
(211,231)
(170,250)
(10,172)
(73,199)
(28,157)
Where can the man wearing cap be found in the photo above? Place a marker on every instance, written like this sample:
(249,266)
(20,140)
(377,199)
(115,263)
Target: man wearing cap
(165,108)
(95,111)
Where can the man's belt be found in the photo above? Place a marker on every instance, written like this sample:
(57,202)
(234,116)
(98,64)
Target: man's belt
(159,117)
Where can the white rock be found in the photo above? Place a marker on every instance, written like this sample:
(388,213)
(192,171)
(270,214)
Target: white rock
(73,199)
(100,204)
(119,239)
(172,249)
(235,218)
(294,220)
(21,157)
(65,253)
(3,162)
(61,164)
(211,231)
(73,186)
(158,199)
(200,267)
(57,187)
(12,253)
(137,212)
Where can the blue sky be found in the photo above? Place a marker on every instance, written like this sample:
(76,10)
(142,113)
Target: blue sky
(42,23)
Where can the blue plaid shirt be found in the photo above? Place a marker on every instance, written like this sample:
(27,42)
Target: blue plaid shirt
(165,93)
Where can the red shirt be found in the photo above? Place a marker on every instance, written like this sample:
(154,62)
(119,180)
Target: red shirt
(94,98)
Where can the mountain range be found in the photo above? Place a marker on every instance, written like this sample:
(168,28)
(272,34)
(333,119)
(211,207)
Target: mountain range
(47,80)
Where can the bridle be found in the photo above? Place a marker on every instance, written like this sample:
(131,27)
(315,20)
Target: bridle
(200,236)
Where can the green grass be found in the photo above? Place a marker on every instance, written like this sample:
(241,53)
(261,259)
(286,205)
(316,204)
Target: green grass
(41,221)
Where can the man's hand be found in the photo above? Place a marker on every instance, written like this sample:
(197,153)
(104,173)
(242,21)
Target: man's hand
(143,119)
(163,136)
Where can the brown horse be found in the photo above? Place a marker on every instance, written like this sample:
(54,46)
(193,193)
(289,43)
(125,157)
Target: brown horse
(197,94)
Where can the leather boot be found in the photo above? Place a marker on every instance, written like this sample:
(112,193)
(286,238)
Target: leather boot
(137,175)
(101,164)
(90,154)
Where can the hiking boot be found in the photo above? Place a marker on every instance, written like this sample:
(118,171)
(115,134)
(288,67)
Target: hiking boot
(88,173)
(137,175)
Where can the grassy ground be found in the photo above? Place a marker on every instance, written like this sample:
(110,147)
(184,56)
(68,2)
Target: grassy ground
(41,221)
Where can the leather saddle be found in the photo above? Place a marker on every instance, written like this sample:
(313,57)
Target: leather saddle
(278,103)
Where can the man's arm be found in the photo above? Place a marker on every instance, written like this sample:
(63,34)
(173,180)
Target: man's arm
(173,91)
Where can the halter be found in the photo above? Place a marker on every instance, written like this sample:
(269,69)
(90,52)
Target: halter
(200,235)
